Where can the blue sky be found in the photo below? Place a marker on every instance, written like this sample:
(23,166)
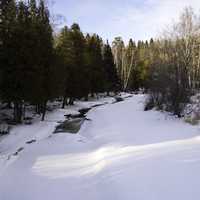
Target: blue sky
(137,19)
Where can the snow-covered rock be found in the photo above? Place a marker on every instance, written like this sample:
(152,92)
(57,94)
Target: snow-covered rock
(4,129)
(192,110)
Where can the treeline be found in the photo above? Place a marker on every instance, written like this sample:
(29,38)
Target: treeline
(175,68)
(36,66)
(132,62)
(86,63)
(168,68)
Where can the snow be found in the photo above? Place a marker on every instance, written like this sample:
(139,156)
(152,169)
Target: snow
(192,110)
(123,153)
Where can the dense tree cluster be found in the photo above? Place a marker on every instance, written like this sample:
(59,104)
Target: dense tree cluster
(86,63)
(36,67)
(168,68)
(175,65)
(132,62)
(26,55)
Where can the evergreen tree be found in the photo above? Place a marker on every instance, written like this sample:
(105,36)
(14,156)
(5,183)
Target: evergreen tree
(33,71)
(7,48)
(95,64)
(11,85)
(77,70)
(64,49)
(46,52)
(112,80)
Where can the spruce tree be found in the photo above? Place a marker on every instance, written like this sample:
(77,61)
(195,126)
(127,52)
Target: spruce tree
(112,80)
(95,64)
(77,70)
(46,55)
(64,50)
(7,48)
(11,85)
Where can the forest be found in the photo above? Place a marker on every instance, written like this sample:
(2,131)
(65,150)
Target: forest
(40,65)
(98,107)
(168,68)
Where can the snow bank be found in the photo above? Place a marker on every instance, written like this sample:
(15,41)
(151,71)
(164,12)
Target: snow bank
(192,110)
(123,153)
(21,135)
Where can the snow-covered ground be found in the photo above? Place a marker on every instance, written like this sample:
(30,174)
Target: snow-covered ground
(123,153)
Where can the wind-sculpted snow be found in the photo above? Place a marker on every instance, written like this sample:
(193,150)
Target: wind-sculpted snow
(123,153)
(83,164)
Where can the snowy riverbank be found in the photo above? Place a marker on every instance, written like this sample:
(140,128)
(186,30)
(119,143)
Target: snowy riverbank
(122,153)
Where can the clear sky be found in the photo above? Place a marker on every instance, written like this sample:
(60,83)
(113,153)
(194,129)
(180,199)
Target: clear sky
(137,19)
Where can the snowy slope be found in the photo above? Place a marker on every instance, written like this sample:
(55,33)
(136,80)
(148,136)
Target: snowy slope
(123,153)
(21,134)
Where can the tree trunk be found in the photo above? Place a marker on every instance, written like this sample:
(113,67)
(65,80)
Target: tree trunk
(64,102)
(38,108)
(44,108)
(9,105)
(86,98)
(18,112)
(24,111)
(71,101)
(92,94)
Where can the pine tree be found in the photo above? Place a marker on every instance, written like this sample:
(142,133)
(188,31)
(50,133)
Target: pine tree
(46,52)
(77,70)
(112,80)
(64,50)
(7,49)
(11,86)
(95,64)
